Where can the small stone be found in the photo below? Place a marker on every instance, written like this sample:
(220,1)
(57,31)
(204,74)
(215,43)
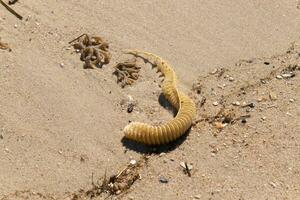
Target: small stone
(273,184)
(289,114)
(236,103)
(162,154)
(6,150)
(273,96)
(244,121)
(263,118)
(197,197)
(292,100)
(60,152)
(263,81)
(130,107)
(220,125)
(259,99)
(163,180)
(231,79)
(62,65)
(214,71)
(251,105)
(118,192)
(132,162)
(215,103)
(16,26)
(287,75)
(68,48)
(279,77)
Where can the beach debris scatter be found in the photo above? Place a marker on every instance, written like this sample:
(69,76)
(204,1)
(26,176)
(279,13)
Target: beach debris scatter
(93,50)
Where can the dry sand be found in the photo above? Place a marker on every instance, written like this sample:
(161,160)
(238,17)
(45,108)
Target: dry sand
(61,124)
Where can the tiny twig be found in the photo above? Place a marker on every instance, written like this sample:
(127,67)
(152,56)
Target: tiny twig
(75,38)
(188,171)
(12,2)
(11,10)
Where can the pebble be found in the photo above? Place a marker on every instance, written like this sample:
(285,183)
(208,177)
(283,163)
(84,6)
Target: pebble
(279,77)
(222,86)
(6,150)
(264,118)
(272,96)
(214,71)
(292,100)
(118,192)
(236,103)
(263,81)
(130,107)
(132,162)
(163,180)
(215,103)
(286,75)
(197,196)
(162,154)
(219,125)
(62,65)
(273,184)
(16,26)
(231,79)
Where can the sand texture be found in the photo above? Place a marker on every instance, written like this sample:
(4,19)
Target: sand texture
(61,124)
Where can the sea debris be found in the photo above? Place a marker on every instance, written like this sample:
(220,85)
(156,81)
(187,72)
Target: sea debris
(115,184)
(186,168)
(93,50)
(127,72)
(163,133)
(11,10)
(10,2)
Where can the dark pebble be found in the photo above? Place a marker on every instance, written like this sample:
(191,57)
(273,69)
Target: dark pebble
(244,121)
(163,180)
(130,108)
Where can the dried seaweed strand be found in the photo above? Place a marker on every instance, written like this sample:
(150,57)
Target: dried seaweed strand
(11,10)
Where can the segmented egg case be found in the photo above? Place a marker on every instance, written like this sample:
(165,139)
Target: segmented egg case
(172,130)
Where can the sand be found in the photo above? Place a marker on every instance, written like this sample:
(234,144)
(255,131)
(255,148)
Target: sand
(61,125)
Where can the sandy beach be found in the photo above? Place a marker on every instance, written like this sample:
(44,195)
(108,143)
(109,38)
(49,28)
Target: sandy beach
(61,124)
